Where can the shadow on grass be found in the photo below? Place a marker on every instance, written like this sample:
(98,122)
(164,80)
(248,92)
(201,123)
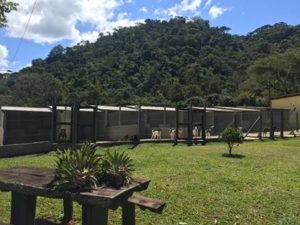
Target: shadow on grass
(237,156)
(46,222)
(135,143)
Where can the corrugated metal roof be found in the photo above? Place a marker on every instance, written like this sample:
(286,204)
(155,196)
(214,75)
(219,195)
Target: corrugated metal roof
(133,108)
(238,108)
(62,108)
(25,109)
(210,109)
(157,108)
(115,108)
(286,96)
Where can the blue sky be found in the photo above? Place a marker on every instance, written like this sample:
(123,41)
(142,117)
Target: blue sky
(68,22)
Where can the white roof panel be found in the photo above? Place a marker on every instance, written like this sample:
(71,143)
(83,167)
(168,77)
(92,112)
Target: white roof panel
(238,108)
(157,108)
(209,109)
(115,108)
(25,109)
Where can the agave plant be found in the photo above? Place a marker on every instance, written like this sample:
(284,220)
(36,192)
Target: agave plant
(118,167)
(79,169)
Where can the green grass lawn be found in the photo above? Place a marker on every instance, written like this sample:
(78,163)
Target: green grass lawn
(200,186)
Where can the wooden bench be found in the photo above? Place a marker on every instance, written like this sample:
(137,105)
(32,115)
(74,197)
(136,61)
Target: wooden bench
(128,209)
(26,184)
(156,206)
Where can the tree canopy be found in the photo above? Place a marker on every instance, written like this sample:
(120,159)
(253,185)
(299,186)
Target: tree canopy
(165,62)
(6,7)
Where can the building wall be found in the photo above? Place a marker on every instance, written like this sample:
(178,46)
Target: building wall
(121,133)
(292,103)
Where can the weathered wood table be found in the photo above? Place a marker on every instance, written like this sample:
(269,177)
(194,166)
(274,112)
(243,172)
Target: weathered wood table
(28,183)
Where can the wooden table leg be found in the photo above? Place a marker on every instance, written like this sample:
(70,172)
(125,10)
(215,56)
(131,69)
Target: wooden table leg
(22,209)
(94,215)
(128,214)
(68,210)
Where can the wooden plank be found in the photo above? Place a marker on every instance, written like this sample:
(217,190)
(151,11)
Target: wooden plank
(177,124)
(94,215)
(106,118)
(128,214)
(95,127)
(32,171)
(120,116)
(236,120)
(35,181)
(4,128)
(32,182)
(22,209)
(282,124)
(53,123)
(74,126)
(271,124)
(297,121)
(165,115)
(190,124)
(139,121)
(151,204)
(203,131)
(68,210)
(260,126)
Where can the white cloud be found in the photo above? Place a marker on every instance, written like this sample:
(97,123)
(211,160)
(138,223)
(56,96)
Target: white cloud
(160,11)
(56,20)
(185,6)
(144,9)
(208,3)
(3,58)
(216,11)
(180,8)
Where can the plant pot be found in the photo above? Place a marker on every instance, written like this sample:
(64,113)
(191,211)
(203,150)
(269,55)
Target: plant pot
(116,180)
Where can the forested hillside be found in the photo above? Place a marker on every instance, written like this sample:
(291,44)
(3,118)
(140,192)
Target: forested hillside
(164,62)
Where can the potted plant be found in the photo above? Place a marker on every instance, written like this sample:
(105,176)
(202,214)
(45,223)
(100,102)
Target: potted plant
(78,169)
(83,170)
(118,169)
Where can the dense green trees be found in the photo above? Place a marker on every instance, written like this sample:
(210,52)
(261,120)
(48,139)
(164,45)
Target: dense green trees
(6,7)
(278,74)
(165,62)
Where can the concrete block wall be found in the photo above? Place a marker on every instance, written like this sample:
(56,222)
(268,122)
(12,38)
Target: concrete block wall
(118,133)
(25,149)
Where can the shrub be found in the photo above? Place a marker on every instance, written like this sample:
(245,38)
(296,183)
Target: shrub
(84,170)
(232,136)
(79,169)
(118,168)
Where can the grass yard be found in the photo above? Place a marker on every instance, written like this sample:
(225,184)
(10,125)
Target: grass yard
(200,186)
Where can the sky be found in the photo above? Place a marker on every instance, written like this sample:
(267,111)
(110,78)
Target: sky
(39,25)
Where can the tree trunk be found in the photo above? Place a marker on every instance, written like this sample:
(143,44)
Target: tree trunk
(230,148)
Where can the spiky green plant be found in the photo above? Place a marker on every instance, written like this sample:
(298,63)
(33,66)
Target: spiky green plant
(118,167)
(79,169)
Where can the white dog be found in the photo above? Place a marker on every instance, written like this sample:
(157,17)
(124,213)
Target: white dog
(172,134)
(195,132)
(156,134)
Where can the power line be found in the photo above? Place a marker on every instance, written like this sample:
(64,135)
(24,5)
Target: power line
(25,30)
